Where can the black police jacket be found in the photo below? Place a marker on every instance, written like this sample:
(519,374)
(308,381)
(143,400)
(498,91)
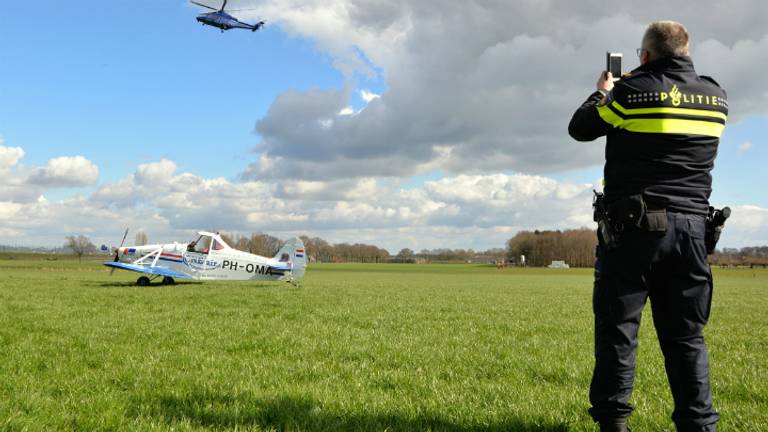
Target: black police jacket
(663,124)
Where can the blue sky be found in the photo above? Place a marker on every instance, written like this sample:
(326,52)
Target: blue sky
(99,97)
(131,82)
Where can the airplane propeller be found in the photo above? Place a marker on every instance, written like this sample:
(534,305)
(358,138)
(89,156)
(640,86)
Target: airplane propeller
(117,251)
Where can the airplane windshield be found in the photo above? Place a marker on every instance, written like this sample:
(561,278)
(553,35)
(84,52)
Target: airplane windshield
(201,245)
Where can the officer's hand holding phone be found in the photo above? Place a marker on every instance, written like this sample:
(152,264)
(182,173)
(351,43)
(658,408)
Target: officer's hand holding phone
(605,82)
(612,71)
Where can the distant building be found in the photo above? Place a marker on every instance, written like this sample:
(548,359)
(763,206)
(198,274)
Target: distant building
(559,265)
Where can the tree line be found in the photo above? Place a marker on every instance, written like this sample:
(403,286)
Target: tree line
(540,248)
(407,255)
(747,256)
(316,249)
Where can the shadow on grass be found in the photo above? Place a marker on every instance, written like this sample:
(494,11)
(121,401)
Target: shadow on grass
(224,411)
(128,284)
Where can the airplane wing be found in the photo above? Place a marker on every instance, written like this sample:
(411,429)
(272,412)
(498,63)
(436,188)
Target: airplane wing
(153,270)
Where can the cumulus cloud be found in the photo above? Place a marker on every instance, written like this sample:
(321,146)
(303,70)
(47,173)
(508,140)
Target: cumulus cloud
(729,64)
(477,211)
(12,180)
(747,226)
(155,173)
(472,88)
(164,201)
(9,210)
(65,171)
(9,156)
(25,184)
(478,86)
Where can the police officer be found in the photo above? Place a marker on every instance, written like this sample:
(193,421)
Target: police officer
(663,124)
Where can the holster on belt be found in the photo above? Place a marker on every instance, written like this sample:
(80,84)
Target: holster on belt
(715,223)
(630,213)
(627,213)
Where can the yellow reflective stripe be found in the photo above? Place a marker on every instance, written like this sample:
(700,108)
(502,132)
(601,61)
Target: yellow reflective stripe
(661,125)
(670,110)
(609,116)
(673,126)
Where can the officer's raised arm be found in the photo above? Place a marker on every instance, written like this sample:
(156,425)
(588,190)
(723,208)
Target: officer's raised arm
(586,124)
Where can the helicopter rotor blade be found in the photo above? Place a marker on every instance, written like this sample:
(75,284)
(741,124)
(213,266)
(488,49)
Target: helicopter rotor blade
(223,6)
(205,6)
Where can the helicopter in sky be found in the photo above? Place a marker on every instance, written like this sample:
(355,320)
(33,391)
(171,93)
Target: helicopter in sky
(223,20)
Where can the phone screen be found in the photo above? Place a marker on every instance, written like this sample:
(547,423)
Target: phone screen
(614,64)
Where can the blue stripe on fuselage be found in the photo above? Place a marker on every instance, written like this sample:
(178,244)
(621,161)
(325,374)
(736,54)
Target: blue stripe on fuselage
(171,259)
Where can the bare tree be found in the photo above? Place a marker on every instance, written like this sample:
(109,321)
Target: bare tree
(230,239)
(236,241)
(242,244)
(80,245)
(141,238)
(405,256)
(264,244)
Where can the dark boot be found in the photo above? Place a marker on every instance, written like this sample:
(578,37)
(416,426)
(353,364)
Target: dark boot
(708,428)
(614,425)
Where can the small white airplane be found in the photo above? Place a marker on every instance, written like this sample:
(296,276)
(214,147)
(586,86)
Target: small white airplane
(210,258)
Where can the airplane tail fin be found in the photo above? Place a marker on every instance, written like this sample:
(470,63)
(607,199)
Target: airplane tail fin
(294,252)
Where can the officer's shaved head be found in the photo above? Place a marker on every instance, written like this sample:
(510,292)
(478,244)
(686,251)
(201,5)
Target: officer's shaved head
(665,39)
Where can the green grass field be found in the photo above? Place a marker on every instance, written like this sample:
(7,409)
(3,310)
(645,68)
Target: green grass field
(356,347)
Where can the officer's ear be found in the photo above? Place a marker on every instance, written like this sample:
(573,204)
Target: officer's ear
(645,56)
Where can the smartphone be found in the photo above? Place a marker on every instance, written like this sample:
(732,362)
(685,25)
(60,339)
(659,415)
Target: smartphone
(613,64)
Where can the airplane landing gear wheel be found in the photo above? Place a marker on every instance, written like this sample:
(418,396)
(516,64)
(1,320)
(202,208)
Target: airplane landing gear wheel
(168,281)
(143,281)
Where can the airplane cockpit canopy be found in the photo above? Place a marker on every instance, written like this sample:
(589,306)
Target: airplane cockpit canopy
(205,242)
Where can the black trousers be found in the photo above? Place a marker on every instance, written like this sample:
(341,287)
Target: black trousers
(671,269)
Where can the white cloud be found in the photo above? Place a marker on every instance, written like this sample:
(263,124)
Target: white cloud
(747,226)
(22,184)
(153,173)
(368,96)
(172,205)
(9,156)
(748,218)
(478,87)
(729,64)
(463,211)
(473,88)
(65,171)
(9,210)
(744,147)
